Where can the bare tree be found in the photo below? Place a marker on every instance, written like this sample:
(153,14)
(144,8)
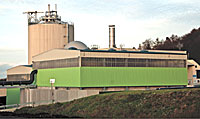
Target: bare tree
(148,44)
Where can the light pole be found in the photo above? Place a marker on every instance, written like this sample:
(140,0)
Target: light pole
(52,81)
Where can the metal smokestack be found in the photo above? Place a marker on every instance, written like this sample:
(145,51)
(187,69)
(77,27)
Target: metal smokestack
(56,9)
(112,36)
(48,10)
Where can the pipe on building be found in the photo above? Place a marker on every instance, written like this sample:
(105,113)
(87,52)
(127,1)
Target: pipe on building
(32,78)
(56,9)
(112,36)
(48,11)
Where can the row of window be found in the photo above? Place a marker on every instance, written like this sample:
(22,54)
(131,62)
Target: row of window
(18,77)
(127,62)
(109,62)
(61,63)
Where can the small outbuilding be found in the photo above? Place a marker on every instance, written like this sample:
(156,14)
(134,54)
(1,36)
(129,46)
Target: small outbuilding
(193,72)
(19,73)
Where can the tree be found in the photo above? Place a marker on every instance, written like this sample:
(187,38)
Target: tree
(148,44)
(189,42)
(170,43)
(140,47)
(157,43)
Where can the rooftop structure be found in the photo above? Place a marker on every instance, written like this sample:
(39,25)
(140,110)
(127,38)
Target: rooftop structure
(47,32)
(51,16)
(21,72)
(76,45)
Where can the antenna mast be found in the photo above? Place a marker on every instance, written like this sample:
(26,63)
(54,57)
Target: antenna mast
(32,17)
(51,16)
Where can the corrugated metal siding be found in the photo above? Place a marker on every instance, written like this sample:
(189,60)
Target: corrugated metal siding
(13,96)
(43,37)
(112,76)
(132,76)
(64,77)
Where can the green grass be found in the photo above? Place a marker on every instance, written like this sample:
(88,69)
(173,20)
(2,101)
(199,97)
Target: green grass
(128,104)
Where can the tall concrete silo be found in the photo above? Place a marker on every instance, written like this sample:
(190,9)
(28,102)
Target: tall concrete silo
(48,32)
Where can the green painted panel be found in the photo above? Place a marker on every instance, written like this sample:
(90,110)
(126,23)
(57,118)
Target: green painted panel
(13,96)
(64,77)
(112,76)
(132,76)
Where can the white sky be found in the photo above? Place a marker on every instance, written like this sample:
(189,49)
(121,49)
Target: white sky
(135,21)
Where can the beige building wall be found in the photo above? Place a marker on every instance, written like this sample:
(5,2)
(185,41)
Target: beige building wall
(132,55)
(56,54)
(3,92)
(191,72)
(44,37)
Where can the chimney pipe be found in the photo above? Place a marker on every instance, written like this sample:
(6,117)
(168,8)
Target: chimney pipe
(56,9)
(112,36)
(48,10)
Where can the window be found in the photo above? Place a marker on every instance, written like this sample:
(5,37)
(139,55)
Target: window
(18,77)
(198,74)
(131,62)
(60,63)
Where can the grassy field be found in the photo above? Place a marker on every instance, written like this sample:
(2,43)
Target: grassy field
(128,104)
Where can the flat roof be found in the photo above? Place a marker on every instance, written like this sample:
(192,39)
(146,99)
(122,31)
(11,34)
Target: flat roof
(56,54)
(139,51)
(20,69)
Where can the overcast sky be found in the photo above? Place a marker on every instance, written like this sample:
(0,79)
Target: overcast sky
(135,21)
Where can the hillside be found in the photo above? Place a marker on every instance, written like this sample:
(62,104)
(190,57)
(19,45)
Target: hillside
(129,104)
(188,42)
(191,43)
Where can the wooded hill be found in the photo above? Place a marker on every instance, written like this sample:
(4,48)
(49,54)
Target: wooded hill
(189,42)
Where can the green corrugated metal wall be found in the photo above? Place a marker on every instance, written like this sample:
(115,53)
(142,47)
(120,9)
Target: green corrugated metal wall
(13,96)
(63,77)
(129,76)
(112,76)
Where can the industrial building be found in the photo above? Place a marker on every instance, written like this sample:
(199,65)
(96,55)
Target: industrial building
(193,73)
(47,32)
(78,72)
(100,69)
(20,73)
(61,69)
